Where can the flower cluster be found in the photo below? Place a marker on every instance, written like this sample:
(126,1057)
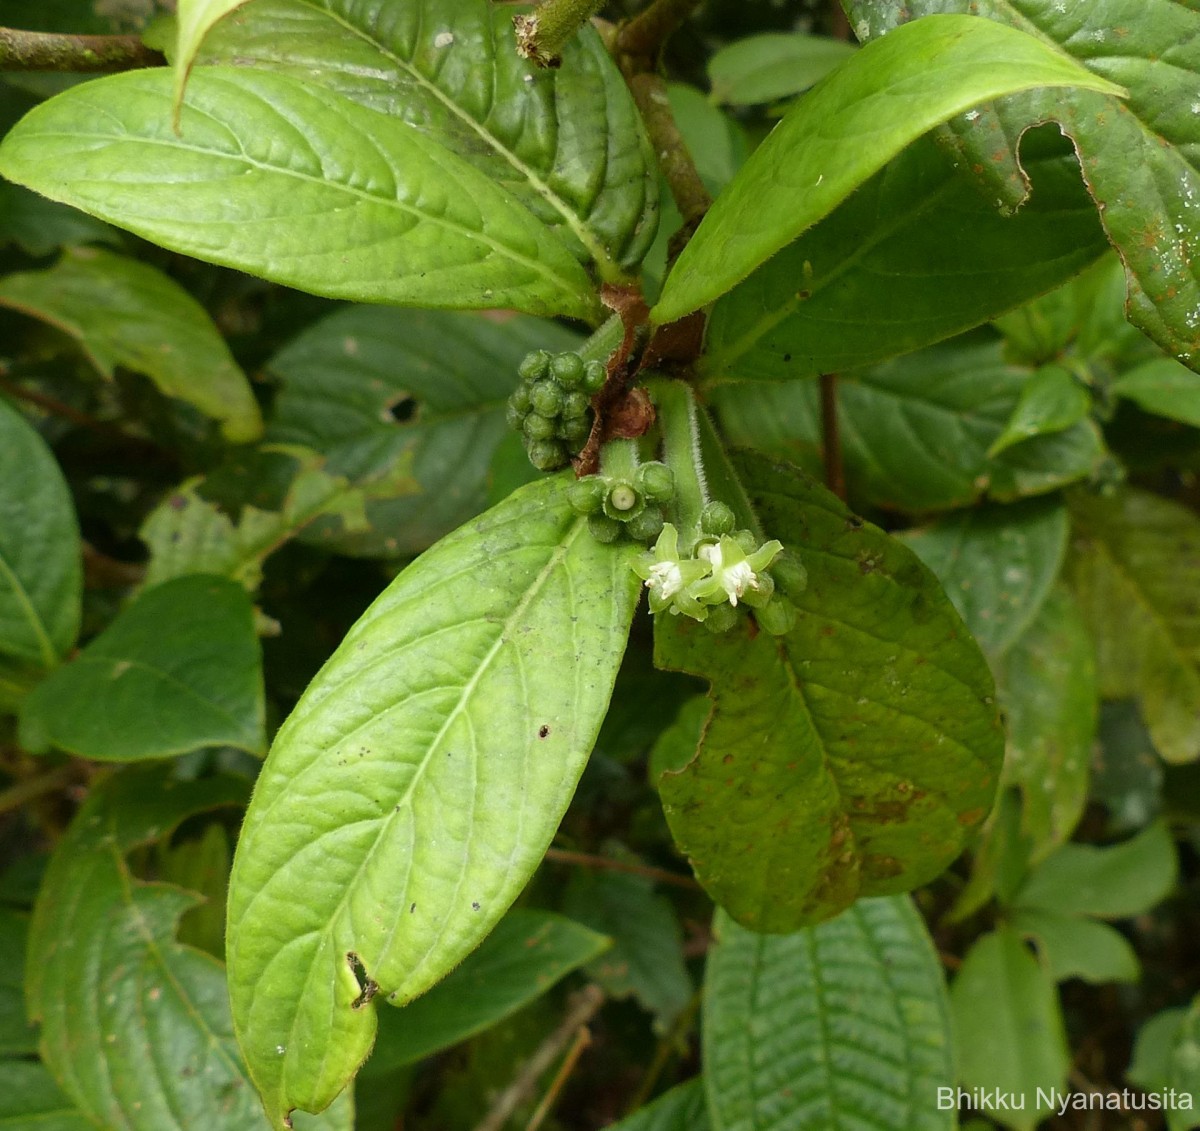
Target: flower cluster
(624,505)
(551,407)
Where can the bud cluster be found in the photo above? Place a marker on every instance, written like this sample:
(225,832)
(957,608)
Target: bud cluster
(629,506)
(551,407)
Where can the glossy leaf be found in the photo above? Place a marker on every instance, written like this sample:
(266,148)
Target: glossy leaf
(842,1026)
(527,953)
(851,757)
(915,432)
(1008,1027)
(1132,565)
(566,142)
(914,256)
(41,577)
(1052,400)
(997,564)
(304,187)
(178,670)
(127,313)
(893,91)
(772,65)
(135,1026)
(413,790)
(346,381)
(683,1108)
(1115,882)
(1073,947)
(1139,155)
(30,1099)
(1163,387)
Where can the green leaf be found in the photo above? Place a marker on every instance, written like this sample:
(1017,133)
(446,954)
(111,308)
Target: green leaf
(1164,387)
(39,226)
(41,574)
(646,958)
(127,313)
(135,1026)
(773,65)
(1139,155)
(842,1026)
(915,431)
(17,1036)
(891,91)
(527,953)
(1185,1072)
(997,564)
(1133,557)
(1052,400)
(1107,883)
(1150,1065)
(194,19)
(464,702)
(201,865)
(853,756)
(830,301)
(683,1108)
(567,143)
(282,179)
(676,746)
(1008,1027)
(29,1099)
(345,379)
(1078,948)
(178,670)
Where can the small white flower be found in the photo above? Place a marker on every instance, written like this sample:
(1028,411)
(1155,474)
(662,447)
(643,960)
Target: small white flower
(666,578)
(736,579)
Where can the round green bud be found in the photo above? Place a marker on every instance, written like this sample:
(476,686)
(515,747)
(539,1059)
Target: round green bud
(514,415)
(646,526)
(746,540)
(567,369)
(546,398)
(575,403)
(535,365)
(586,495)
(777,616)
(762,591)
(546,455)
(539,427)
(656,481)
(594,376)
(603,528)
(520,397)
(574,429)
(790,574)
(717,519)
(721,618)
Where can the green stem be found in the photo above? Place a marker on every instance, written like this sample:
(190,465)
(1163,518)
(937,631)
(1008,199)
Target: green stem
(679,422)
(543,34)
(604,342)
(619,459)
(80,54)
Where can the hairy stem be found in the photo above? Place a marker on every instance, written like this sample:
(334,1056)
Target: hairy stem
(47,51)
(543,33)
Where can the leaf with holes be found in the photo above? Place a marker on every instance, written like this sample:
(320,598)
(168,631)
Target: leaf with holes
(851,757)
(135,1026)
(302,186)
(566,142)
(844,1026)
(1139,154)
(414,789)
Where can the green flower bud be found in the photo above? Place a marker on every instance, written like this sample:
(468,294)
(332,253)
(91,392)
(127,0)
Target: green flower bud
(535,365)
(594,376)
(586,495)
(790,575)
(623,502)
(538,427)
(717,519)
(656,481)
(646,526)
(546,398)
(546,455)
(514,415)
(762,591)
(520,397)
(777,616)
(574,429)
(575,403)
(721,618)
(746,540)
(603,528)
(568,369)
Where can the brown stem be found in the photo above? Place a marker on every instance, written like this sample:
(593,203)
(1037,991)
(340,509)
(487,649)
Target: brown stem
(831,441)
(53,406)
(608,864)
(646,33)
(47,51)
(583,1038)
(22,792)
(839,22)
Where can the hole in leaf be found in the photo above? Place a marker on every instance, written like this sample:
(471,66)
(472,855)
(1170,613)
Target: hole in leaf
(403,410)
(543,731)
(368,987)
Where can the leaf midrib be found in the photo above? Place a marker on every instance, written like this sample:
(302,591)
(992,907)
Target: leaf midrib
(25,603)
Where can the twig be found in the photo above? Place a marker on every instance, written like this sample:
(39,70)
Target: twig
(22,792)
(583,1038)
(831,441)
(666,1045)
(47,51)
(55,407)
(646,33)
(581,1008)
(608,864)
(543,33)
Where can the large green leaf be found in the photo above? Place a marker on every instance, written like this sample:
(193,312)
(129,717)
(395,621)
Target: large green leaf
(851,757)
(1162,386)
(915,431)
(277,177)
(912,257)
(41,575)
(127,313)
(773,65)
(683,1108)
(890,92)
(1073,947)
(844,1026)
(568,142)
(178,670)
(30,1100)
(348,378)
(136,1026)
(418,782)
(1133,563)
(527,953)
(1139,155)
